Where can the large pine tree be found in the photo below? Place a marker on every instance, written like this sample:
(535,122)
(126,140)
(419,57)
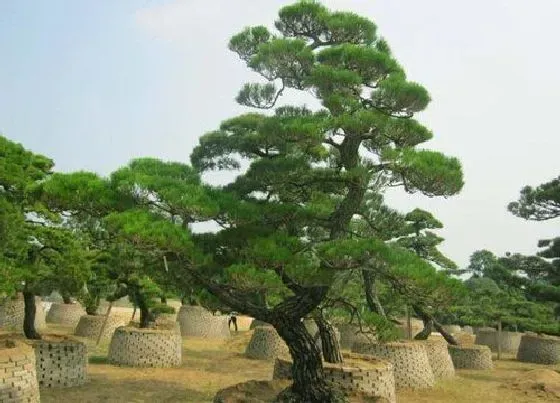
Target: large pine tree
(310,170)
(285,235)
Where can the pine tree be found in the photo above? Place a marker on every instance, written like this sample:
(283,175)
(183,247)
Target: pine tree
(285,223)
(309,164)
(37,253)
(539,203)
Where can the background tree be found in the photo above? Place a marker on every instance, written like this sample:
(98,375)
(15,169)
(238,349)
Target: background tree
(377,220)
(409,232)
(345,300)
(132,269)
(417,235)
(546,275)
(481,262)
(502,290)
(56,260)
(486,304)
(122,266)
(504,271)
(19,170)
(38,254)
(539,203)
(13,245)
(97,287)
(83,199)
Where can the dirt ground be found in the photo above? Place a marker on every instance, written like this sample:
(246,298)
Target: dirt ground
(210,365)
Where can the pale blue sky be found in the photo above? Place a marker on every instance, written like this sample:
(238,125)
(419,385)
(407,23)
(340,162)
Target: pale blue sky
(93,84)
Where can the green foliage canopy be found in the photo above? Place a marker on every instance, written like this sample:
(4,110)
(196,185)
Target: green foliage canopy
(35,248)
(538,203)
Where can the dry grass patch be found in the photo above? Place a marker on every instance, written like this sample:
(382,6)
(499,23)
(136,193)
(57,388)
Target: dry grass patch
(500,385)
(208,366)
(211,365)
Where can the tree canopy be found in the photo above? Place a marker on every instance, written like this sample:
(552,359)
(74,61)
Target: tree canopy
(513,289)
(538,203)
(542,271)
(38,253)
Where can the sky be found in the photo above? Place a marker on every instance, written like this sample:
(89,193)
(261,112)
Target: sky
(94,84)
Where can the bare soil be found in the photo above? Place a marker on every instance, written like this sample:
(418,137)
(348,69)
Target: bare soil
(543,381)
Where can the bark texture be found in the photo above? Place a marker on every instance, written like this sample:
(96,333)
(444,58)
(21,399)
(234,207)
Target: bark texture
(370,289)
(329,342)
(309,380)
(145,314)
(425,333)
(29,316)
(425,316)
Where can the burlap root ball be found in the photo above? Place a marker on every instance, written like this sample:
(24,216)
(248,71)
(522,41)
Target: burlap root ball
(509,341)
(539,349)
(416,326)
(468,329)
(411,366)
(350,334)
(477,329)
(464,338)
(65,314)
(90,326)
(199,322)
(439,358)
(18,374)
(471,356)
(266,344)
(452,328)
(12,312)
(359,373)
(244,323)
(135,347)
(61,361)
(256,323)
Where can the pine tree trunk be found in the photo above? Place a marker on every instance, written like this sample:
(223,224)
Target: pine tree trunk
(92,305)
(447,336)
(425,316)
(145,316)
(408,324)
(370,290)
(329,342)
(163,299)
(425,333)
(29,317)
(261,298)
(66,298)
(309,384)
(499,339)
(104,325)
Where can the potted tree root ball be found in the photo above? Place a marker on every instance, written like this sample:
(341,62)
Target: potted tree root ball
(151,343)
